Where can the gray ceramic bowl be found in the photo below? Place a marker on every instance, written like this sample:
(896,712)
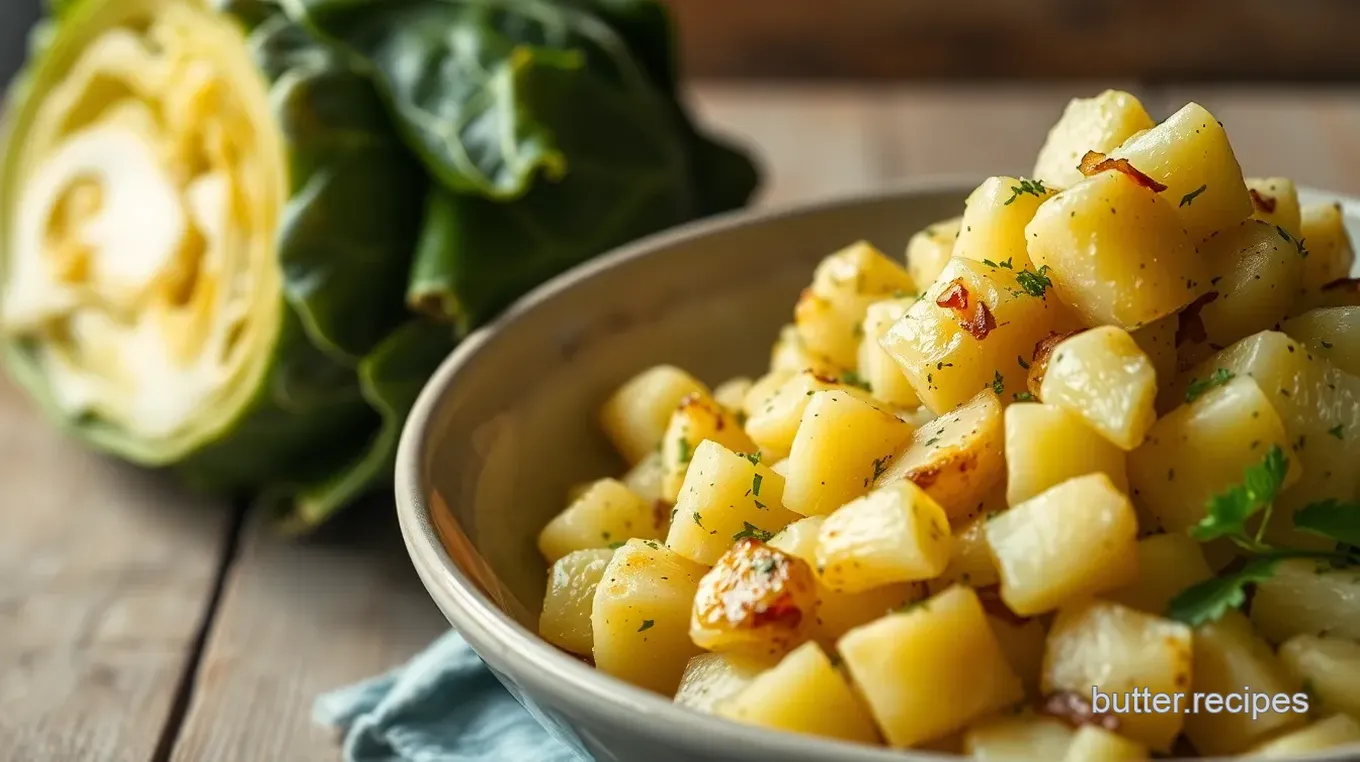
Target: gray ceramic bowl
(508,423)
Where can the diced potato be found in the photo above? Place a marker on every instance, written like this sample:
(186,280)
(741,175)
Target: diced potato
(1022,641)
(1046,445)
(935,642)
(774,424)
(829,313)
(1201,449)
(971,562)
(711,679)
(939,349)
(929,250)
(1077,539)
(994,220)
(640,616)
(1320,408)
(838,612)
(696,419)
(804,693)
(1229,658)
(607,513)
(731,393)
(1328,669)
(1116,650)
(645,478)
(842,444)
(956,458)
(781,467)
(1102,376)
(1189,153)
(1337,730)
(876,367)
(565,621)
(1092,743)
(635,418)
(725,497)
(1332,333)
(1339,293)
(1305,598)
(1018,738)
(1275,200)
(756,599)
(1158,341)
(896,533)
(789,354)
(763,389)
(1097,124)
(1330,252)
(1167,564)
(1257,274)
(1117,252)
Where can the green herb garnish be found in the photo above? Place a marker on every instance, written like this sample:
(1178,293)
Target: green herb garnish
(753,531)
(647,624)
(1189,198)
(1033,187)
(1036,283)
(1218,378)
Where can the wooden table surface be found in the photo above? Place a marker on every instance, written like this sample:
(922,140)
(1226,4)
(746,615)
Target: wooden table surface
(139,624)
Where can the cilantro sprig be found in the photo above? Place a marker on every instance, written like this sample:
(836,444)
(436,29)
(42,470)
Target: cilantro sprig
(1033,187)
(1198,387)
(1034,283)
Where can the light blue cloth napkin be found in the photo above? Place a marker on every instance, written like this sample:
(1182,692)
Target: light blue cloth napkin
(442,706)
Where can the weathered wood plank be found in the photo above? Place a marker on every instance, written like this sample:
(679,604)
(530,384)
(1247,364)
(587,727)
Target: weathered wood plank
(105,577)
(297,619)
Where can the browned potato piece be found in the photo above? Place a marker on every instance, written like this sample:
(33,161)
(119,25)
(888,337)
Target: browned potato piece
(956,458)
(756,599)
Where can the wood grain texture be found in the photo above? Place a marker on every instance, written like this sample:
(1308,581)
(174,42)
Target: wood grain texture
(1167,40)
(297,619)
(105,575)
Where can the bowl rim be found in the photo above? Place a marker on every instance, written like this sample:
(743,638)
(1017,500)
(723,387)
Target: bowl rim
(511,649)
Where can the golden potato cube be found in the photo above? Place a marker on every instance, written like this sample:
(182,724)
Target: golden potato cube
(829,313)
(930,249)
(711,679)
(789,353)
(731,394)
(774,424)
(1327,668)
(1337,730)
(756,599)
(645,478)
(1201,449)
(1258,272)
(878,370)
(804,693)
(1275,200)
(968,332)
(565,621)
(843,444)
(635,418)
(605,514)
(1092,743)
(930,670)
(1018,737)
(640,615)
(1158,341)
(1190,154)
(1331,254)
(725,497)
(1229,658)
(957,458)
(1077,539)
(1117,252)
(1102,376)
(1319,406)
(1113,649)
(1022,641)
(1305,598)
(896,533)
(838,611)
(970,562)
(1046,445)
(698,418)
(1167,564)
(994,220)
(763,389)
(1332,333)
(1097,124)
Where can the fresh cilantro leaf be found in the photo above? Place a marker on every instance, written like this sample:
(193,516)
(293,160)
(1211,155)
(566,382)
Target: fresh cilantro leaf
(1338,431)
(1211,599)
(1197,387)
(851,378)
(998,383)
(1009,263)
(1332,519)
(990,263)
(1033,187)
(755,484)
(683,445)
(646,625)
(1227,513)
(1036,283)
(751,530)
(754,457)
(1189,198)
(1023,396)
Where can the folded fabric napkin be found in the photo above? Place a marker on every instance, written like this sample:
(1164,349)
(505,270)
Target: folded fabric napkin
(444,705)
